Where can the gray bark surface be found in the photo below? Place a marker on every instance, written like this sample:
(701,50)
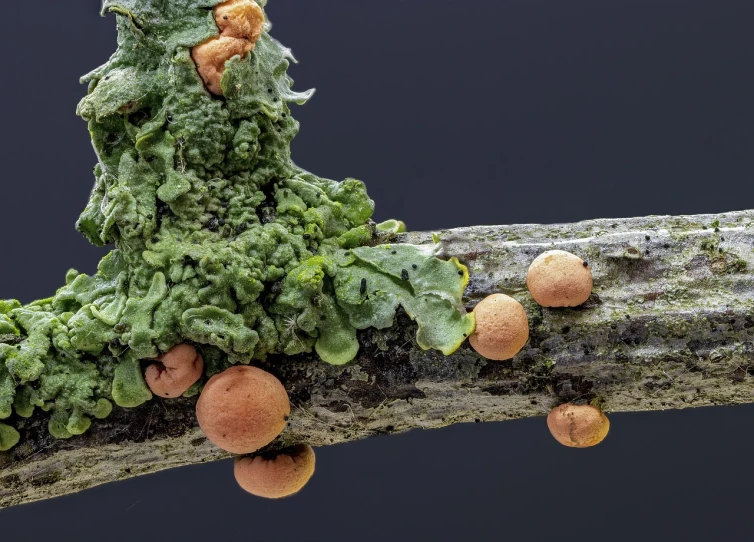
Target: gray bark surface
(669,325)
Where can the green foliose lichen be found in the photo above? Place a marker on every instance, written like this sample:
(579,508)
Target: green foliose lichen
(9,437)
(220,239)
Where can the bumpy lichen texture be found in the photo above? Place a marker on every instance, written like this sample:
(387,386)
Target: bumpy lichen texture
(221,241)
(502,327)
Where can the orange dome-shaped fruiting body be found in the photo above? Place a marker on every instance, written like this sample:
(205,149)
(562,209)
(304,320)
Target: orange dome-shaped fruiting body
(243,409)
(557,278)
(178,369)
(278,477)
(502,327)
(240,23)
(578,426)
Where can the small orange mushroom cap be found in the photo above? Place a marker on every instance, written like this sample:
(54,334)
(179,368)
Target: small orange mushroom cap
(502,327)
(578,426)
(240,19)
(178,369)
(282,476)
(211,55)
(241,23)
(557,278)
(243,409)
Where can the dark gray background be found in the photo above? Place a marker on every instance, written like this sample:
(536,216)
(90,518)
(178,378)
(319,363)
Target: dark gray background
(454,113)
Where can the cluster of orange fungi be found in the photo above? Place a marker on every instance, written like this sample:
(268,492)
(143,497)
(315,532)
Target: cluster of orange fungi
(241,410)
(555,278)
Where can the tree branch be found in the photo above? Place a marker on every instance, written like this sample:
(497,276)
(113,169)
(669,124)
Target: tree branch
(669,325)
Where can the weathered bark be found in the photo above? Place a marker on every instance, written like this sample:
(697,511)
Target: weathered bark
(669,325)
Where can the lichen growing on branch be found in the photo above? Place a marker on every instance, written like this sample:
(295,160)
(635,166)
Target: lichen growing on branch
(220,239)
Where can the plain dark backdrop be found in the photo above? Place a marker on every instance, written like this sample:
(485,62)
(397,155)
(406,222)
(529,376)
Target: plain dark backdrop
(454,113)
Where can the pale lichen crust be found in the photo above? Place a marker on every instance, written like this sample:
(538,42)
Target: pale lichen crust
(221,241)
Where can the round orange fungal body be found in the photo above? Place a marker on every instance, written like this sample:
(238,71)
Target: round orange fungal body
(502,327)
(557,278)
(281,476)
(578,426)
(240,24)
(178,369)
(240,19)
(243,409)
(211,55)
